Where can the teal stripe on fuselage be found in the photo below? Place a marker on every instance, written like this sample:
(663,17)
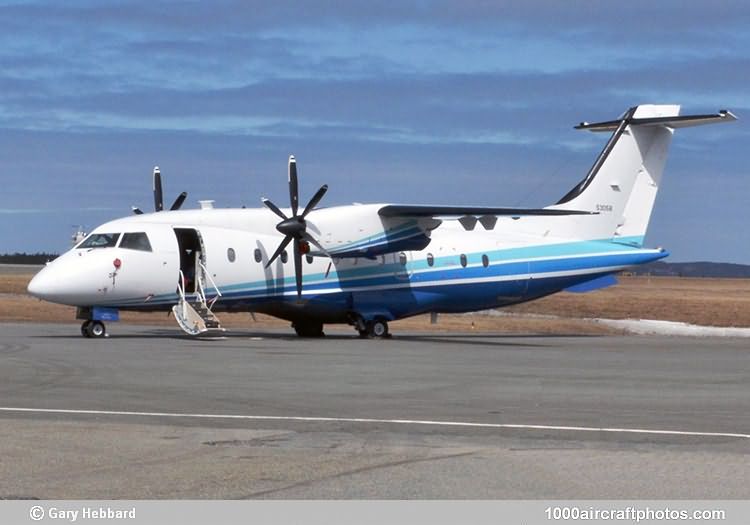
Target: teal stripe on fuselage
(577,248)
(444,268)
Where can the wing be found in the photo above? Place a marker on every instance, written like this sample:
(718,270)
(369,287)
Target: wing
(468,216)
(456,212)
(376,229)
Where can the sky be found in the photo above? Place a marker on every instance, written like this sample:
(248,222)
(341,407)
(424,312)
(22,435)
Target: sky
(408,102)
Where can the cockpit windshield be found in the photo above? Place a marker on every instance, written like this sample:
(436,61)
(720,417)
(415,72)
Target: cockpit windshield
(99,240)
(136,241)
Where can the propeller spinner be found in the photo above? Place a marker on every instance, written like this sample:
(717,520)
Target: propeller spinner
(159,198)
(294,228)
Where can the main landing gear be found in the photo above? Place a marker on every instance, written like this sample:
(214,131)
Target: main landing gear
(375,329)
(95,329)
(308,329)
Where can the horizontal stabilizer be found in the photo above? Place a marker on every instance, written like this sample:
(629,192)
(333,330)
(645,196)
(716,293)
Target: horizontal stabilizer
(395,210)
(595,284)
(669,121)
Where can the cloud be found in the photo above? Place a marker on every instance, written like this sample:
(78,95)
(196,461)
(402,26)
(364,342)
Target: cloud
(37,211)
(413,101)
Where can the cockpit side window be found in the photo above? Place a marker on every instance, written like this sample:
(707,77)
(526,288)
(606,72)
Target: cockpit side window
(135,241)
(99,240)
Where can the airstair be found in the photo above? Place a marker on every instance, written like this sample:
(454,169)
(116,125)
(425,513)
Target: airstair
(193,311)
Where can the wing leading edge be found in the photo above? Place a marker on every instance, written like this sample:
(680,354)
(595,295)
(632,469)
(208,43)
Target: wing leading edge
(399,210)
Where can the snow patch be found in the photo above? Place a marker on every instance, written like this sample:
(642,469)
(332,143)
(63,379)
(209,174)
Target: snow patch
(656,327)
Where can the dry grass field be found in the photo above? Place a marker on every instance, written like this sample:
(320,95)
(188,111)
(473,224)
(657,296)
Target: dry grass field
(712,302)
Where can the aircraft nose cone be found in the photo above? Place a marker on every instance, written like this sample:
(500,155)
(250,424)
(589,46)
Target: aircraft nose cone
(42,285)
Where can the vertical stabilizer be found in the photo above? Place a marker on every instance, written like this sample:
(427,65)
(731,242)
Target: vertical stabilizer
(622,184)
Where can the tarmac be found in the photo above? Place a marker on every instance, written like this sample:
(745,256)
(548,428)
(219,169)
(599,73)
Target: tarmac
(148,413)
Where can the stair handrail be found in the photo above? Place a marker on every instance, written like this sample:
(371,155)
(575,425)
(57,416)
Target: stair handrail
(181,285)
(199,291)
(213,283)
(181,290)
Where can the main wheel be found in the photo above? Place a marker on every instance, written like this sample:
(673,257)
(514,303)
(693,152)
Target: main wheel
(379,328)
(85,329)
(96,329)
(308,329)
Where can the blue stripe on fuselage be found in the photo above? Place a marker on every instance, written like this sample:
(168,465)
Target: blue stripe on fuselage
(444,287)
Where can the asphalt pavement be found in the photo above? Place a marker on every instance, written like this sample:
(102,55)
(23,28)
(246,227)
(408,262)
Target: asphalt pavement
(149,413)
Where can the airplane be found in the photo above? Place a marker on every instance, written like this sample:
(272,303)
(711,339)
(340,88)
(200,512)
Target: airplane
(370,264)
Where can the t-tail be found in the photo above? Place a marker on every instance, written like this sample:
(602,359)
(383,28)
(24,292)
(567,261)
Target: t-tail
(621,185)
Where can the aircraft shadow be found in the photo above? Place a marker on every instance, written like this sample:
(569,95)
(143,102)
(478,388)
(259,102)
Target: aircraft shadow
(491,339)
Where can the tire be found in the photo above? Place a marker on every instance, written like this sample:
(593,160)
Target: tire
(309,329)
(97,329)
(378,328)
(85,329)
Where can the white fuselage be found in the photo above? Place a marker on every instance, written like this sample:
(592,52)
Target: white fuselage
(459,270)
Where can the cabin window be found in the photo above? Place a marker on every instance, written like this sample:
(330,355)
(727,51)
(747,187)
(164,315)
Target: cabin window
(135,241)
(258,256)
(485,260)
(430,259)
(100,240)
(402,258)
(231,255)
(463,260)
(284,257)
(309,259)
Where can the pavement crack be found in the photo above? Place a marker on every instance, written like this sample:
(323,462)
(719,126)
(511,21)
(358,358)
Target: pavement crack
(359,470)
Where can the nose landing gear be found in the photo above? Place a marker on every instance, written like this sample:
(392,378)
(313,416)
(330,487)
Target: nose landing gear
(93,329)
(93,318)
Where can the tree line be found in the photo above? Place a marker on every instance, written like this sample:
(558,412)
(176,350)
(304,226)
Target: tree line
(27,258)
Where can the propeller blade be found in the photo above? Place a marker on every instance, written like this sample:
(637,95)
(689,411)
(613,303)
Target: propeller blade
(280,249)
(136,210)
(271,206)
(158,198)
(309,238)
(315,200)
(298,268)
(177,204)
(293,186)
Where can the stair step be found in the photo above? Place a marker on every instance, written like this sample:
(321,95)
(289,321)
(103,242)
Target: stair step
(195,316)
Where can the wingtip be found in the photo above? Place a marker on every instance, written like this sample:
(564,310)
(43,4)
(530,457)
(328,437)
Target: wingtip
(725,113)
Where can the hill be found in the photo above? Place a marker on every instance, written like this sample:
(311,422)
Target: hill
(694,269)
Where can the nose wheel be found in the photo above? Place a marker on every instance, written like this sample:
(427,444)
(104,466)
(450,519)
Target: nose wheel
(93,329)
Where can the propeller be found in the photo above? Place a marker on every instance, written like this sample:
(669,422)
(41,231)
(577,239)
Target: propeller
(294,228)
(159,196)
